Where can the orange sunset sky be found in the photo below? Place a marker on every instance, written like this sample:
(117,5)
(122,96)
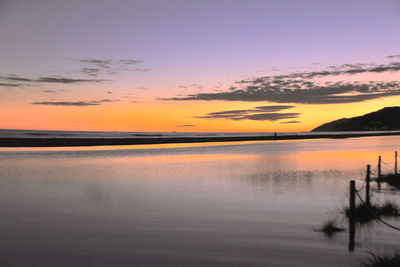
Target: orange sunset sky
(267,66)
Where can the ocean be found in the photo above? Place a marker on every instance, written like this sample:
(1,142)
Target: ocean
(210,204)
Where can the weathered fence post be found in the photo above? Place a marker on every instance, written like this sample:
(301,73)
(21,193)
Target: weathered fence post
(379,172)
(379,167)
(352,227)
(367,180)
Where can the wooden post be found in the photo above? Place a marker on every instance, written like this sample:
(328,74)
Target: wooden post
(367,180)
(379,172)
(352,227)
(395,162)
(379,167)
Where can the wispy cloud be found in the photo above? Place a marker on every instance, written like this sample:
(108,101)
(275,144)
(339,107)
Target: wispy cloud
(66,80)
(185,125)
(345,69)
(272,108)
(105,64)
(15,78)
(97,67)
(75,103)
(284,122)
(261,113)
(141,70)
(91,71)
(129,61)
(10,85)
(268,116)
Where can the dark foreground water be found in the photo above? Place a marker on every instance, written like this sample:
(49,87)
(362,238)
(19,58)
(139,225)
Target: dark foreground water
(235,204)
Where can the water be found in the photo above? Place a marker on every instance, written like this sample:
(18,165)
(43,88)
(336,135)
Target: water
(237,204)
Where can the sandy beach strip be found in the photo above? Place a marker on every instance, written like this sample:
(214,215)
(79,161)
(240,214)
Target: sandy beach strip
(64,142)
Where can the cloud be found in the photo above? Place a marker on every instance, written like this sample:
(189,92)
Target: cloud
(78,103)
(94,68)
(345,69)
(64,80)
(10,85)
(284,122)
(105,64)
(91,71)
(129,61)
(185,125)
(98,67)
(258,116)
(268,116)
(141,70)
(274,108)
(49,91)
(16,78)
(394,56)
(310,93)
(75,103)
(303,88)
(234,113)
(261,113)
(301,92)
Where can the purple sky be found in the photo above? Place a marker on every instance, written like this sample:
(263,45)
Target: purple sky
(186,47)
(237,37)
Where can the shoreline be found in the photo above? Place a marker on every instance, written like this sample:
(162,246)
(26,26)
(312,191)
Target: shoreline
(70,142)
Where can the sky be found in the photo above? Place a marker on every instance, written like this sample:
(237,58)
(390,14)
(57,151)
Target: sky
(194,66)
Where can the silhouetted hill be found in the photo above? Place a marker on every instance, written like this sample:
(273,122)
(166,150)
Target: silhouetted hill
(381,120)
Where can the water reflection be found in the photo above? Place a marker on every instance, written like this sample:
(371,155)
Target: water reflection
(237,204)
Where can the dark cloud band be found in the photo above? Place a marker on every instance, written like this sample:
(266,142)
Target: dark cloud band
(262,113)
(74,103)
(301,87)
(49,80)
(302,93)
(9,85)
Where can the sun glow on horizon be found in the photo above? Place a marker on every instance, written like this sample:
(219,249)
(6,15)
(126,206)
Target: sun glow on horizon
(279,69)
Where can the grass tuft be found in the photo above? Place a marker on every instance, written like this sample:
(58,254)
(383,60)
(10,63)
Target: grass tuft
(384,261)
(365,214)
(329,228)
(392,180)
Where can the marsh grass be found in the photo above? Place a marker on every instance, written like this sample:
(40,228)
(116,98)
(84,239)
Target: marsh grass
(366,213)
(392,180)
(330,229)
(383,261)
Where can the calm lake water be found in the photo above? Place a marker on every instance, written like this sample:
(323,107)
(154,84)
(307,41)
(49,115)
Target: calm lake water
(219,204)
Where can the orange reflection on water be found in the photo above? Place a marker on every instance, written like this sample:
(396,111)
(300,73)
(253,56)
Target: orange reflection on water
(185,158)
(334,155)
(342,159)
